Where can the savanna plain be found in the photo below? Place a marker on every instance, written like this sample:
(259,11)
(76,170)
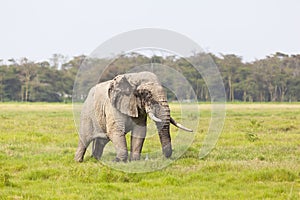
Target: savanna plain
(257,156)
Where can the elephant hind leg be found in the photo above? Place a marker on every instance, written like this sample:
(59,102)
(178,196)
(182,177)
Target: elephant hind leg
(80,152)
(85,137)
(98,146)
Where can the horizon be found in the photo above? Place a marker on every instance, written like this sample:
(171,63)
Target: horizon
(66,59)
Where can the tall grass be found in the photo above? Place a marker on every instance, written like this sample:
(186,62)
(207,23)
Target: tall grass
(256,157)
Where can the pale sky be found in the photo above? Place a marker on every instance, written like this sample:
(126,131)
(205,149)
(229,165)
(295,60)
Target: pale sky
(253,29)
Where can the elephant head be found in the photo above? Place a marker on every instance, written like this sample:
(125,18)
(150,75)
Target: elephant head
(141,94)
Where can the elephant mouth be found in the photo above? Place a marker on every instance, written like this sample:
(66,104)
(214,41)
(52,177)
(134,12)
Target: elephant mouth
(172,121)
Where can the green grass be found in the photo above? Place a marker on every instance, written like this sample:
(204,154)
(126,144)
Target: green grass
(257,157)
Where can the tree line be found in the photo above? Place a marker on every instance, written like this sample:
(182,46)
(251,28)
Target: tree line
(275,78)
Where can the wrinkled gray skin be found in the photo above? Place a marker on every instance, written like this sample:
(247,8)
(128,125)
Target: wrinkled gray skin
(115,107)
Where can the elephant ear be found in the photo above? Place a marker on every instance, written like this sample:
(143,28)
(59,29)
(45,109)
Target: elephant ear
(122,97)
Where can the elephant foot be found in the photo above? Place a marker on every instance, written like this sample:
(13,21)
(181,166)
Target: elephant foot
(79,154)
(120,160)
(122,155)
(98,146)
(135,156)
(78,158)
(134,159)
(96,157)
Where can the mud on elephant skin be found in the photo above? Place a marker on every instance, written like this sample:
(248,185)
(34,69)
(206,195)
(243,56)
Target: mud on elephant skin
(115,107)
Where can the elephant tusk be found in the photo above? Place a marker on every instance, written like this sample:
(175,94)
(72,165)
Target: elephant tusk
(152,116)
(179,125)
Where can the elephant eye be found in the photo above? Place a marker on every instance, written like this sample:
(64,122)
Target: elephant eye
(144,94)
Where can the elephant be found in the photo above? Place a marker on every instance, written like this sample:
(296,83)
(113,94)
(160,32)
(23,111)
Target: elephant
(115,107)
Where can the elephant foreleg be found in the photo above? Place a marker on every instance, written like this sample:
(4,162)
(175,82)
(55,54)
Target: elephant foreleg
(98,146)
(119,142)
(137,140)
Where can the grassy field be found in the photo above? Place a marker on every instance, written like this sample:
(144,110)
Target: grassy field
(257,157)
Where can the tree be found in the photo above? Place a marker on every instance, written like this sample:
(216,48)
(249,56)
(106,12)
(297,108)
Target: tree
(229,65)
(10,84)
(58,60)
(274,78)
(26,75)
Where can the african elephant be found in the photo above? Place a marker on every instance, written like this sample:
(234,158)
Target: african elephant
(115,107)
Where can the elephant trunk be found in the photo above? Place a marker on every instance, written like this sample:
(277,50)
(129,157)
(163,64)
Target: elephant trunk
(163,128)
